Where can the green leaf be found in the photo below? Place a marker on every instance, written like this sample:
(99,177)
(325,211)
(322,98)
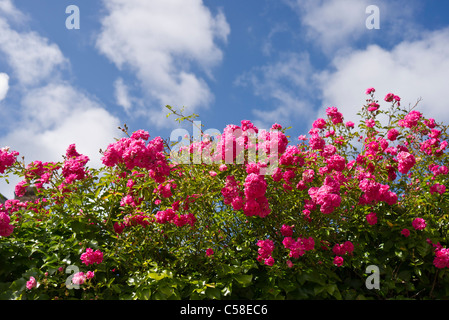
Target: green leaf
(213,293)
(243,279)
(143,293)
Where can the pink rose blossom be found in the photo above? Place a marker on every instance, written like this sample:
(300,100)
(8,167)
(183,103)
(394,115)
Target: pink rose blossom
(370,90)
(405,162)
(371,218)
(437,188)
(350,124)
(405,232)
(31,283)
(269,261)
(338,261)
(90,257)
(370,123)
(441,258)
(209,252)
(286,231)
(419,223)
(6,228)
(392,134)
(79,278)
(389,97)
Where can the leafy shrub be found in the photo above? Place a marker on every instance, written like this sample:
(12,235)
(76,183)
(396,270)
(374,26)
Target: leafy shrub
(201,221)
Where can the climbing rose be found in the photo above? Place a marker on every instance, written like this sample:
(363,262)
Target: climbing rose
(369,90)
(419,223)
(441,258)
(79,278)
(405,232)
(338,261)
(31,283)
(209,252)
(371,218)
(91,256)
(439,188)
(286,231)
(7,158)
(406,162)
(392,134)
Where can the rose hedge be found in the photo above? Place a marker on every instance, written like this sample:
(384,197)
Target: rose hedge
(156,223)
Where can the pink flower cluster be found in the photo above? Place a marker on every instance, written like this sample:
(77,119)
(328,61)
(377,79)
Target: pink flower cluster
(340,250)
(134,152)
(252,199)
(31,283)
(411,119)
(299,247)
(335,115)
(371,218)
(419,223)
(165,190)
(266,248)
(81,277)
(292,157)
(438,188)
(327,196)
(256,204)
(232,193)
(406,161)
(405,232)
(170,216)
(336,162)
(392,134)
(131,221)
(374,192)
(74,165)
(438,170)
(6,228)
(236,139)
(441,258)
(391,97)
(272,140)
(286,230)
(433,145)
(7,158)
(90,256)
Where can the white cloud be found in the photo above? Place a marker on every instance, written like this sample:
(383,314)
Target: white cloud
(4,85)
(160,41)
(412,70)
(335,25)
(55,116)
(32,58)
(332,23)
(7,8)
(122,95)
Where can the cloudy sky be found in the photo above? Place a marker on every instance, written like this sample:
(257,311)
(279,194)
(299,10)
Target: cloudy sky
(268,61)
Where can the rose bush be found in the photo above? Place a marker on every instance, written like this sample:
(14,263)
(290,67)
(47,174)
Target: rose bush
(156,223)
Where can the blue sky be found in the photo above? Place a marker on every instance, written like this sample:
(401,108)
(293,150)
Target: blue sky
(281,61)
